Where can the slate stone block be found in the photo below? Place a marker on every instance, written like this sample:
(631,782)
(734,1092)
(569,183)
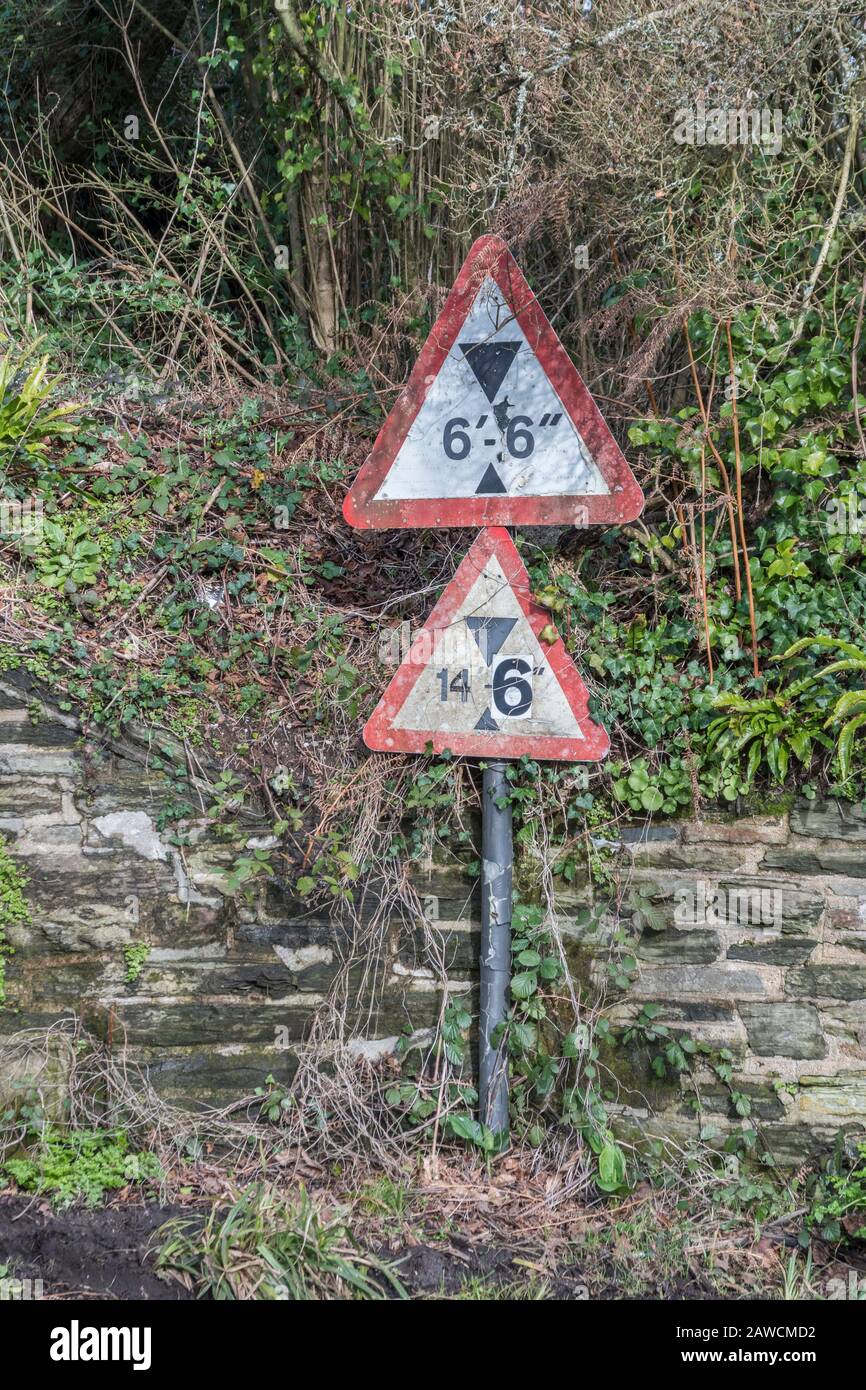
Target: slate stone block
(674,947)
(783,950)
(755,901)
(829,820)
(827,982)
(722,981)
(784,1030)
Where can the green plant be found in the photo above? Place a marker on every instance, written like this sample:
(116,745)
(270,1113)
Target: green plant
(13,907)
(135,954)
(797,1283)
(245,868)
(553,1071)
(768,730)
(849,709)
(332,869)
(838,1206)
(537,967)
(64,557)
(274,1099)
(644,789)
(674,1053)
(790,722)
(384,1197)
(70,1164)
(268,1247)
(25,425)
(418,1100)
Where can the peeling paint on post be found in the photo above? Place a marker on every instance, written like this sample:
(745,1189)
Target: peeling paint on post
(496,875)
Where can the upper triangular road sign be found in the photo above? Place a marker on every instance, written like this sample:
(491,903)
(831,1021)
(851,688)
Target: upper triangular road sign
(495,426)
(479,678)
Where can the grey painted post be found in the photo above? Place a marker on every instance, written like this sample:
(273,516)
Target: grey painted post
(497,860)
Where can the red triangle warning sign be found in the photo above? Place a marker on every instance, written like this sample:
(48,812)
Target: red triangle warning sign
(480,678)
(495,426)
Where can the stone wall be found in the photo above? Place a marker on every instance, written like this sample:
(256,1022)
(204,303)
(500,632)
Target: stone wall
(229,985)
(757,944)
(762,950)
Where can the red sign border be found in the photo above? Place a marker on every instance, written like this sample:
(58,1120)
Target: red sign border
(489,255)
(379,732)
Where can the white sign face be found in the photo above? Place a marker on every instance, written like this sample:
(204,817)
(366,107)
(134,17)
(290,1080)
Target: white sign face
(487,670)
(491,423)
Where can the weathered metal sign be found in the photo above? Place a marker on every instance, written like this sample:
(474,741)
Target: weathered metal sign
(481,678)
(495,426)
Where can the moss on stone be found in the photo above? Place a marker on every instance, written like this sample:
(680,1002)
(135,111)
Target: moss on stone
(631,1068)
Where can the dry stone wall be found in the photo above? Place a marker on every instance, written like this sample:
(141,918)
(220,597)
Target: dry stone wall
(762,950)
(757,945)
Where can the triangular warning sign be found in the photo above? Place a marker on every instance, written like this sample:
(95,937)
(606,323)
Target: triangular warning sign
(479,680)
(495,426)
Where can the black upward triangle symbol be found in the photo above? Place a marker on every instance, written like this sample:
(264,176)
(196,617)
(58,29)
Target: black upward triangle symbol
(490,483)
(490,363)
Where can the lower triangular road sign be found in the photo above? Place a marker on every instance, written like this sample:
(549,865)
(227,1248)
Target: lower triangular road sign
(481,680)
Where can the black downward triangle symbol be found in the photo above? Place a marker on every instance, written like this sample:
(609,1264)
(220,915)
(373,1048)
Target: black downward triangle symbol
(489,634)
(490,362)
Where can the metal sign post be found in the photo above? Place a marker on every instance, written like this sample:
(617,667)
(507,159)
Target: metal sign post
(497,855)
(488,676)
(494,428)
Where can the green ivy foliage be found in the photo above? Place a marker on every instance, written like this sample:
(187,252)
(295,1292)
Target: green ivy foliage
(804,481)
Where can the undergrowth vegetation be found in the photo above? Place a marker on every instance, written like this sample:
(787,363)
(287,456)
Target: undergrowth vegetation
(13,907)
(80,1165)
(254,1216)
(266,1247)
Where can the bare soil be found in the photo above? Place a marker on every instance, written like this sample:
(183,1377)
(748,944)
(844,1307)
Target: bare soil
(99,1252)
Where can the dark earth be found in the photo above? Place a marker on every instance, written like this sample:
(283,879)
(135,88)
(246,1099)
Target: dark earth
(106,1253)
(100,1252)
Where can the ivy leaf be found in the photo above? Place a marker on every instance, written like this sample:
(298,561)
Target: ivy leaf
(524,1035)
(638,780)
(573,1043)
(651,799)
